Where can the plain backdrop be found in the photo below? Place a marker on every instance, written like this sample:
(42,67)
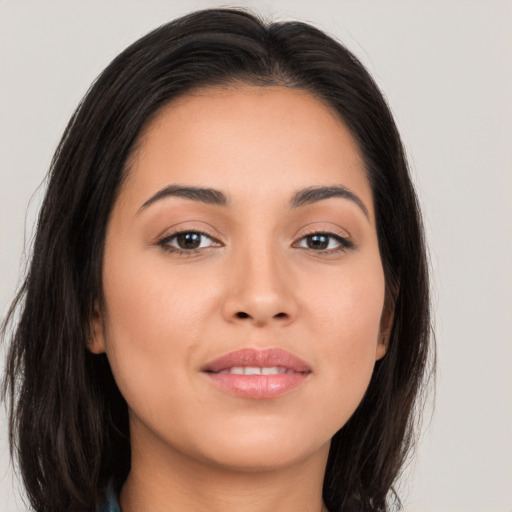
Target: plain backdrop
(445,67)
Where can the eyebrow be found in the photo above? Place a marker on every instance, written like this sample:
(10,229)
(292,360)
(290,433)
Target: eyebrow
(312,195)
(201,194)
(302,197)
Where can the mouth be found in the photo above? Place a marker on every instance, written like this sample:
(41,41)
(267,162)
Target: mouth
(256,370)
(257,374)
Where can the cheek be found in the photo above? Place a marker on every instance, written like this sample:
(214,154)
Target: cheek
(146,296)
(347,311)
(348,305)
(152,324)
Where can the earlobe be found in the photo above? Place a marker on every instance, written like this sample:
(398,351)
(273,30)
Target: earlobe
(386,324)
(96,342)
(382,347)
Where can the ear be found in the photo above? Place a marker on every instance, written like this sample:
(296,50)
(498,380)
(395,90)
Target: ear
(96,343)
(386,324)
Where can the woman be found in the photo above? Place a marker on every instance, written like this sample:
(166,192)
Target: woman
(227,305)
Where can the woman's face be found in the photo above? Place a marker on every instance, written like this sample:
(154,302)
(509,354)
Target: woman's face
(243,285)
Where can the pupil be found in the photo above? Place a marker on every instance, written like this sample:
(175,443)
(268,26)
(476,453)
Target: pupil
(189,240)
(318,242)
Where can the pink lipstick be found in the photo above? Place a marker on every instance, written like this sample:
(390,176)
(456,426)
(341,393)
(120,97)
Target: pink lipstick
(257,374)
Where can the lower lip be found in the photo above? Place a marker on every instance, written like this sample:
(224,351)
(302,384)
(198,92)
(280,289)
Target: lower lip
(259,387)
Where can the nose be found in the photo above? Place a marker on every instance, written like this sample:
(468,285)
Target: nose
(260,290)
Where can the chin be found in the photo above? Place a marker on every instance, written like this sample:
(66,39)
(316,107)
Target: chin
(263,458)
(264,448)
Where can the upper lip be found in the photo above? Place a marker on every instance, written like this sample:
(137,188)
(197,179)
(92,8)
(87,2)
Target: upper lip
(258,358)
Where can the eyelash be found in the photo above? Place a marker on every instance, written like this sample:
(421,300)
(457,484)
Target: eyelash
(344,243)
(164,242)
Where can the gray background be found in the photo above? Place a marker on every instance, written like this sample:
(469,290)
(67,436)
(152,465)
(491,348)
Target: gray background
(446,69)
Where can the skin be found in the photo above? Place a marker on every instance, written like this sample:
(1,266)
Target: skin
(166,314)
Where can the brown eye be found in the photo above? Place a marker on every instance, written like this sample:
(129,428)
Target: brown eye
(319,242)
(187,241)
(324,242)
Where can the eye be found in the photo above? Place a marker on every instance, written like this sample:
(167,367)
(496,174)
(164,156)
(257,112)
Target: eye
(324,242)
(187,242)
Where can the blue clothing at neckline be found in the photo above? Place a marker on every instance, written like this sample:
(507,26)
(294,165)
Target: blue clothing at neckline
(111,505)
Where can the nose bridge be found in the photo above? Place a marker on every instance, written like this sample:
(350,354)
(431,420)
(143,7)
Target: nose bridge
(260,289)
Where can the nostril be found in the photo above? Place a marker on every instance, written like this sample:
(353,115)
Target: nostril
(243,314)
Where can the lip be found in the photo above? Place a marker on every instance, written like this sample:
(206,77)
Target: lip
(257,386)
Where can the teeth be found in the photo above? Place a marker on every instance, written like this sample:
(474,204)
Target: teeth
(273,370)
(254,370)
(251,370)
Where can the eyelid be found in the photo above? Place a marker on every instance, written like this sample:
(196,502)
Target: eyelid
(162,241)
(176,234)
(345,240)
(327,228)
(192,226)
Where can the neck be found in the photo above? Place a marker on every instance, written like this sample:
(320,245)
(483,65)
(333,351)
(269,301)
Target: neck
(166,481)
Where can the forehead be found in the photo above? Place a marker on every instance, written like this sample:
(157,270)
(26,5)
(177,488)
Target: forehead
(248,141)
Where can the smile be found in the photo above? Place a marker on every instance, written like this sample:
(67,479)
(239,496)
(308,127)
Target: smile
(257,374)
(255,370)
